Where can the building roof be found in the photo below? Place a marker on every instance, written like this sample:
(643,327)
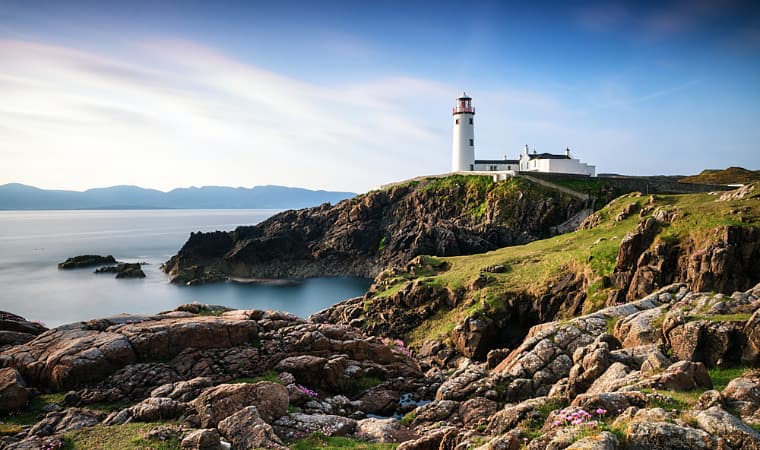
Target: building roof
(497,161)
(547,156)
(464,96)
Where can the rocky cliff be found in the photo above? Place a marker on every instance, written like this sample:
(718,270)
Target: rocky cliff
(448,216)
(672,370)
(635,245)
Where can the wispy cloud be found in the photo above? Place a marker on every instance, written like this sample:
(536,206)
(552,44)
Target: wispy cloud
(193,99)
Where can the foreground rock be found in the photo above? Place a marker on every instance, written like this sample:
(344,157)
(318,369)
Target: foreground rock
(15,330)
(81,261)
(14,394)
(565,386)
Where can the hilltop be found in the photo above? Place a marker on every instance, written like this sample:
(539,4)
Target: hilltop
(449,216)
(731,175)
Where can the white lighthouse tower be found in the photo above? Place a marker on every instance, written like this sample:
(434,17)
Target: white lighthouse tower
(463,153)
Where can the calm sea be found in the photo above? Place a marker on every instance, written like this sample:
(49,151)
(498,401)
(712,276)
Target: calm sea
(32,243)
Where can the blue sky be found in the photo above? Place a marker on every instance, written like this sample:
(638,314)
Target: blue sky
(348,96)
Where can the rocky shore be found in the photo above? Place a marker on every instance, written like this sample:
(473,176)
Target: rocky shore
(671,370)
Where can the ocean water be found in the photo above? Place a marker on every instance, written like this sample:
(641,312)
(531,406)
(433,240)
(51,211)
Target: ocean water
(32,243)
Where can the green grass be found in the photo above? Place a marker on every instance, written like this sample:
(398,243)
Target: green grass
(674,400)
(721,376)
(318,440)
(436,327)
(408,418)
(12,423)
(270,375)
(367,382)
(116,437)
(739,317)
(591,252)
(611,322)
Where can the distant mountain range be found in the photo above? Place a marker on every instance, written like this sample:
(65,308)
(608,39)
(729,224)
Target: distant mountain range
(16,196)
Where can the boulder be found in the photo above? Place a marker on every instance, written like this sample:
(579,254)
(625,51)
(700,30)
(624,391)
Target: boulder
(246,430)
(474,336)
(508,441)
(735,433)
(612,402)
(430,441)
(183,391)
(380,401)
(14,395)
(684,376)
(436,411)
(151,409)
(383,430)
(204,439)
(297,425)
(508,417)
(664,435)
(59,422)
(219,402)
(602,441)
(477,411)
(742,394)
(752,331)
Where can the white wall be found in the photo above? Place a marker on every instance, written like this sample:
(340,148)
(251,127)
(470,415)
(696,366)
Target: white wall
(463,154)
(573,166)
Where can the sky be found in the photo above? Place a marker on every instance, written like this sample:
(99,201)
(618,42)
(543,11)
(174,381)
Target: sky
(349,95)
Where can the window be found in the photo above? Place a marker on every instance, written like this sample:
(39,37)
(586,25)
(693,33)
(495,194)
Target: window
(456,121)
(470,120)
(472,142)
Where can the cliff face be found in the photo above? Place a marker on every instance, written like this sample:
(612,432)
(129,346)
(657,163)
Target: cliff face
(629,249)
(450,216)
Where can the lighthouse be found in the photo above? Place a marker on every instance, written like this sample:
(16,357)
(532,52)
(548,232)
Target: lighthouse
(463,152)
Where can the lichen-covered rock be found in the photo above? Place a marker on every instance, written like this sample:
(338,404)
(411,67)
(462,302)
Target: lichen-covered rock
(602,441)
(297,425)
(610,401)
(245,430)
(183,391)
(152,409)
(508,417)
(735,433)
(383,430)
(59,422)
(204,439)
(743,395)
(663,435)
(218,403)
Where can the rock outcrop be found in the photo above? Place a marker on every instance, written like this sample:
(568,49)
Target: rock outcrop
(77,262)
(456,215)
(565,386)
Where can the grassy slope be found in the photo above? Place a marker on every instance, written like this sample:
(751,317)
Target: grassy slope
(530,267)
(731,175)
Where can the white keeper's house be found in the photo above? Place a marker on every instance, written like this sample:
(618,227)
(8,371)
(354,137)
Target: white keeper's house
(463,152)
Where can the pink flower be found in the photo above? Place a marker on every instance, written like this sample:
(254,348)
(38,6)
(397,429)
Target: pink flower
(601,411)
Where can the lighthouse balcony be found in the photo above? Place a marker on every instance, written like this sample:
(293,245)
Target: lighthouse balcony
(463,109)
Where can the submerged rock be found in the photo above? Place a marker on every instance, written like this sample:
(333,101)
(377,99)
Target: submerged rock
(124,270)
